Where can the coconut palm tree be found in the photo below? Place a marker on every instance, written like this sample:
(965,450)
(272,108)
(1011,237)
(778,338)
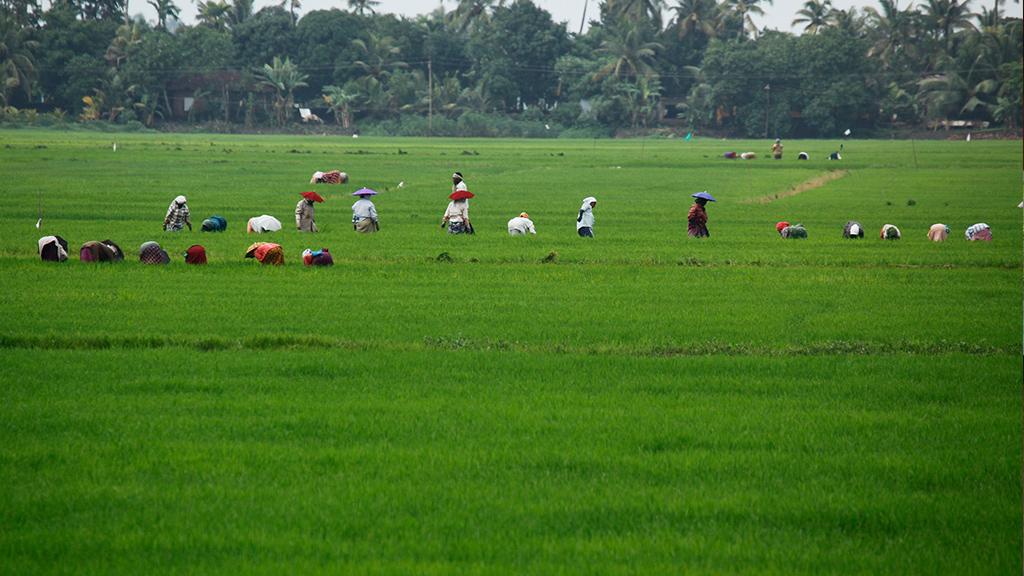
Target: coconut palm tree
(636,10)
(292,6)
(744,11)
(895,30)
(628,53)
(164,9)
(469,13)
(214,14)
(944,18)
(697,16)
(241,10)
(283,77)
(361,7)
(814,15)
(17,62)
(379,57)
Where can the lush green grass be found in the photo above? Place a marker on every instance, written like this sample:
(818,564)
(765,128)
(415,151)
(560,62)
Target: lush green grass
(644,403)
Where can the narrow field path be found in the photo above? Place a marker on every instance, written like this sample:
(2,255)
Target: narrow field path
(816,182)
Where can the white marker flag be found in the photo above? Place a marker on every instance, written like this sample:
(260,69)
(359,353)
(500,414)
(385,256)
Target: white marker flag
(847,133)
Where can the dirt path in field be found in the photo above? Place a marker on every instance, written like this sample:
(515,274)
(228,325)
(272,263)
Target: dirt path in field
(816,182)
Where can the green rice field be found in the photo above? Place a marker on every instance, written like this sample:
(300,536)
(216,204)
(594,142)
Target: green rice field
(636,403)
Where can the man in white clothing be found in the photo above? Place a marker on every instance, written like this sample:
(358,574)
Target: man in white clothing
(521,225)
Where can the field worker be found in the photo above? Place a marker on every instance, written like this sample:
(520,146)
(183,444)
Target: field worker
(803,156)
(521,225)
(889,232)
(321,257)
(777,149)
(53,249)
(458,183)
(853,229)
(266,253)
(214,224)
(748,156)
(195,254)
(938,232)
(151,253)
(780,226)
(585,219)
(178,215)
(456,215)
(304,217)
(980,231)
(697,219)
(794,232)
(835,156)
(364,213)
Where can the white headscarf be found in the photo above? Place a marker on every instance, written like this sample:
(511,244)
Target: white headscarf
(180,200)
(586,203)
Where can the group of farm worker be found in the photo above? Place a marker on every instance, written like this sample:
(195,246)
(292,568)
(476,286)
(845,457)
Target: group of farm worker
(776,152)
(854,230)
(456,219)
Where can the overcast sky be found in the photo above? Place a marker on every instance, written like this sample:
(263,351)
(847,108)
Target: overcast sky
(777,16)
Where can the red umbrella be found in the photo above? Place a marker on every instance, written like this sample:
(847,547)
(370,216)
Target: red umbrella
(313,196)
(460,195)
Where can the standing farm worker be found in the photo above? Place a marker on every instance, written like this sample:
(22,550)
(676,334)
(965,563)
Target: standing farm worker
(178,215)
(938,232)
(304,212)
(456,216)
(777,149)
(697,219)
(521,225)
(585,218)
(458,183)
(364,213)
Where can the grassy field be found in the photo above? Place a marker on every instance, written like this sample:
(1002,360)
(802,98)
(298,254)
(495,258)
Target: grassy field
(637,403)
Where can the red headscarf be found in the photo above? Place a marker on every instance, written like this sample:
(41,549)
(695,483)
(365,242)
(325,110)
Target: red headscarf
(195,255)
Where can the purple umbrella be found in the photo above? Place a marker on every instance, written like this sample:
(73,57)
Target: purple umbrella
(364,192)
(704,195)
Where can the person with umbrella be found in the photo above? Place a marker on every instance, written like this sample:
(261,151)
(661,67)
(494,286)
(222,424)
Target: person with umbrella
(697,219)
(456,216)
(178,215)
(304,212)
(364,213)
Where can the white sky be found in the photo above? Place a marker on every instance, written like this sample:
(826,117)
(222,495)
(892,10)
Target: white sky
(777,16)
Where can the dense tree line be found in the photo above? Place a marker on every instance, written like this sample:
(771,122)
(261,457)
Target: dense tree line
(697,64)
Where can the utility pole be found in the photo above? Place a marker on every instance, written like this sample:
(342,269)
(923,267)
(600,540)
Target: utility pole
(767,109)
(430,96)
(583,20)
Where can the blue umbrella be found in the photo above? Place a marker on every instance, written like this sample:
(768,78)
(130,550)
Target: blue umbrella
(704,195)
(364,192)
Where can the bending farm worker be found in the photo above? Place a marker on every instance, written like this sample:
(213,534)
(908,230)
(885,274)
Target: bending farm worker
(777,149)
(178,215)
(364,213)
(521,225)
(304,215)
(585,219)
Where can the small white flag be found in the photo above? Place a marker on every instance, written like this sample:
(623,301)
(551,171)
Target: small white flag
(39,224)
(847,133)
(968,136)
(115,146)
(355,135)
(546,127)
(401,184)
